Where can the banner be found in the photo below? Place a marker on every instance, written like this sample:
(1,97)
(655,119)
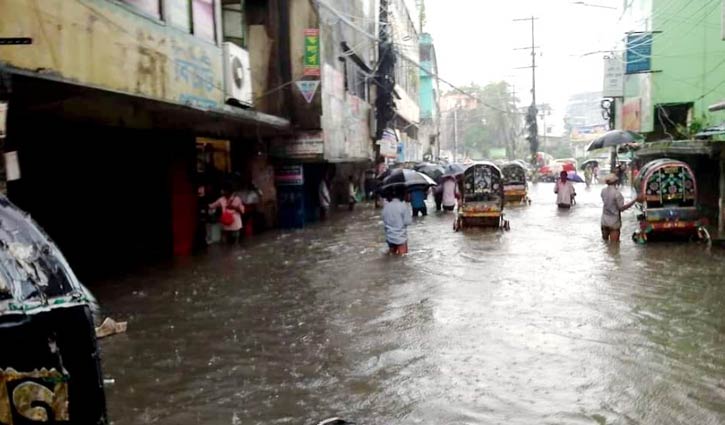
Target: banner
(312,52)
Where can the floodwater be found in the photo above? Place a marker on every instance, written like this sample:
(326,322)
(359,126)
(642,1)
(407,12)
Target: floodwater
(544,324)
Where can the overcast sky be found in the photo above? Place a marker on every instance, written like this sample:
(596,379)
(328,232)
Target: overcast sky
(475,42)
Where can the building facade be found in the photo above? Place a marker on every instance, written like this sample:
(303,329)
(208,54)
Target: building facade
(583,121)
(672,59)
(121,114)
(429,130)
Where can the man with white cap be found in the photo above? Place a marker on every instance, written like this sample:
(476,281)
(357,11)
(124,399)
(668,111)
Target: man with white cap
(612,210)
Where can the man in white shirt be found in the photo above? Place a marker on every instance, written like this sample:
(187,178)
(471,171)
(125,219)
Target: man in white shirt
(450,193)
(397,218)
(564,190)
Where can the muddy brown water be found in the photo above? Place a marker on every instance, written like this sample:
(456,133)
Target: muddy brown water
(544,324)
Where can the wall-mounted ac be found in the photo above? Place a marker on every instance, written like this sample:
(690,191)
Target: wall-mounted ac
(237,76)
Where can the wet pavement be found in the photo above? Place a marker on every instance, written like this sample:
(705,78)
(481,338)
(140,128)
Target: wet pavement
(544,324)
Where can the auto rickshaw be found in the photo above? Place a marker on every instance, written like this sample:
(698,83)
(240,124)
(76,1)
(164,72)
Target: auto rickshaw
(482,198)
(50,368)
(515,187)
(670,206)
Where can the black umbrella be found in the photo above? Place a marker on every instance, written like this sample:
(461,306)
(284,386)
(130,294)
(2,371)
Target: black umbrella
(614,138)
(433,171)
(407,179)
(423,164)
(453,170)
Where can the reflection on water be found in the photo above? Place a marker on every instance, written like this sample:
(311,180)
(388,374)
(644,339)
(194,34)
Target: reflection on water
(542,324)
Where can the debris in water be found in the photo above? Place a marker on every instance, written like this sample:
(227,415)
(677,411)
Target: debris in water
(110,327)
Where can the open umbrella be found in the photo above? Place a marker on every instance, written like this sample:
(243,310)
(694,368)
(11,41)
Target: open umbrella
(453,170)
(589,163)
(574,177)
(614,138)
(433,171)
(407,179)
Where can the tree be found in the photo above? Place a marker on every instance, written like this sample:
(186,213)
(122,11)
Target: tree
(494,123)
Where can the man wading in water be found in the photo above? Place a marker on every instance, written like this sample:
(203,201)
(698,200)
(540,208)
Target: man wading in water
(612,209)
(564,190)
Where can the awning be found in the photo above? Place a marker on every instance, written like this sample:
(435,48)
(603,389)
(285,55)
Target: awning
(45,95)
(680,148)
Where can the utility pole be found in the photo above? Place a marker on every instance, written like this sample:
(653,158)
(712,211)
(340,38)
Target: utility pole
(531,115)
(455,134)
(385,75)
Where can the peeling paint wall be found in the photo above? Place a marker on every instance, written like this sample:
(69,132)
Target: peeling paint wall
(99,43)
(346,117)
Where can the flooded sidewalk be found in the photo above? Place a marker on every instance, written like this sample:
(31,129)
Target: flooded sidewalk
(544,324)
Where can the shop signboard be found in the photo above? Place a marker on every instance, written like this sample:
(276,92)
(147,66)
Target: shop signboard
(289,175)
(308,88)
(312,52)
(639,52)
(613,77)
(388,144)
(302,146)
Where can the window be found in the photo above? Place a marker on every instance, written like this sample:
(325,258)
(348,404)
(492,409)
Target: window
(202,13)
(179,14)
(355,80)
(149,7)
(233,22)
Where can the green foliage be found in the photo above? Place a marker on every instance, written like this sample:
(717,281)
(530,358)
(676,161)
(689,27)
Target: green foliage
(696,126)
(494,123)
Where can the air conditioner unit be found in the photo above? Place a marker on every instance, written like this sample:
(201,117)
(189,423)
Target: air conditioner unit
(237,76)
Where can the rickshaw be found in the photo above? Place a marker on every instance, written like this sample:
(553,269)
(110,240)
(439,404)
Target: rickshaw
(50,367)
(482,198)
(670,206)
(515,187)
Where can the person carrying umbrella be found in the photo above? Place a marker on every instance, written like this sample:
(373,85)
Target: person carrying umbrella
(612,209)
(564,190)
(449,192)
(396,219)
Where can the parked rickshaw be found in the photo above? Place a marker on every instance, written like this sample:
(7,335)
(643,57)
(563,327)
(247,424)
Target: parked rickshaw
(515,188)
(50,367)
(670,206)
(482,198)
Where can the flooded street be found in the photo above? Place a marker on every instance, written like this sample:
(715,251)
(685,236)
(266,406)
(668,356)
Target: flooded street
(544,324)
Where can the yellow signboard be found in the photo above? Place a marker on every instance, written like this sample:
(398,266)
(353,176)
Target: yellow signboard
(103,44)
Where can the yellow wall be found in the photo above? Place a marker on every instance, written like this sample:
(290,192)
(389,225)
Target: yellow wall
(99,43)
